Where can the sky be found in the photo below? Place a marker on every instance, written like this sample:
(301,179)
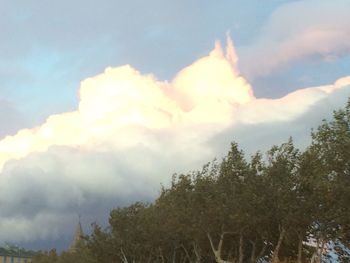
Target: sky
(102,101)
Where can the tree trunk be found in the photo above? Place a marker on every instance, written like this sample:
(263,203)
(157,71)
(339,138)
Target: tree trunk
(217,252)
(196,251)
(323,243)
(186,253)
(123,257)
(174,255)
(278,247)
(161,255)
(149,258)
(262,251)
(231,256)
(315,256)
(252,255)
(300,248)
(241,253)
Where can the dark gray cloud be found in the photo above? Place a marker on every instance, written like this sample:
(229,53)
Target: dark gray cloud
(41,194)
(261,136)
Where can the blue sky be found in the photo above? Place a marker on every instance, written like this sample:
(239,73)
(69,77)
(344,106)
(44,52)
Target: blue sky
(48,49)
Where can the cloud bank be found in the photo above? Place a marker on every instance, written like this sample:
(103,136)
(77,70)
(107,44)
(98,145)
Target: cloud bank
(130,132)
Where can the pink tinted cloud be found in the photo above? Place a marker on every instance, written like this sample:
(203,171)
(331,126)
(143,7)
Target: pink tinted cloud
(297,31)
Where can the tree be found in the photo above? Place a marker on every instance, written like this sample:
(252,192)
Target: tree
(331,150)
(237,210)
(281,172)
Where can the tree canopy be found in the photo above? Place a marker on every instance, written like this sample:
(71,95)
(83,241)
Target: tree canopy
(285,206)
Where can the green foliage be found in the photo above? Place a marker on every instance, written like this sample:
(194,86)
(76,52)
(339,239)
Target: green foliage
(237,210)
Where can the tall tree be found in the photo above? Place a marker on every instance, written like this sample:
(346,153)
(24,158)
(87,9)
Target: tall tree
(331,148)
(281,172)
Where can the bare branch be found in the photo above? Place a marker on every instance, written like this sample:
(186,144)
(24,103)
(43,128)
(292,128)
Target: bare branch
(186,253)
(122,256)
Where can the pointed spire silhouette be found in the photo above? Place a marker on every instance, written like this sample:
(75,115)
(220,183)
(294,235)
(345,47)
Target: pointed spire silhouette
(78,237)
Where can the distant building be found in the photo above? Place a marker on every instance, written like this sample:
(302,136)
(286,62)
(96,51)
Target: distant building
(13,254)
(78,239)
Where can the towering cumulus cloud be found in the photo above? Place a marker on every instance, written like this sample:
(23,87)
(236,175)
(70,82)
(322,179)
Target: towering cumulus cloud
(132,131)
(205,92)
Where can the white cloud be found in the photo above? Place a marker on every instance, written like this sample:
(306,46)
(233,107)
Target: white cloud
(132,131)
